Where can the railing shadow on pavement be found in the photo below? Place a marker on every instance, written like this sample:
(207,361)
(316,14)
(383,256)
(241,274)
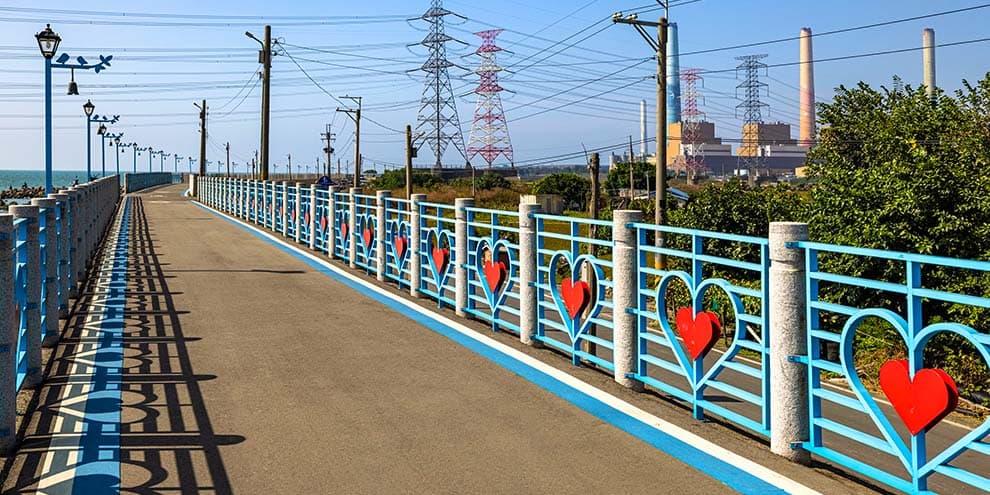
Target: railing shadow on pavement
(166,439)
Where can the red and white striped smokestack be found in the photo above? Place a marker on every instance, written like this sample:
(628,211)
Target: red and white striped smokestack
(807,103)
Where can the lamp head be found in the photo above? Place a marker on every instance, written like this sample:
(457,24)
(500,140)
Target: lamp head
(89,107)
(48,41)
(102,130)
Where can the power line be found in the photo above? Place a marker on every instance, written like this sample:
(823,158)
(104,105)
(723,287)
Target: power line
(858,55)
(838,31)
(383,126)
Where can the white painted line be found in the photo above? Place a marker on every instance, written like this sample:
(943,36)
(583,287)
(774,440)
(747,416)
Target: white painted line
(702,444)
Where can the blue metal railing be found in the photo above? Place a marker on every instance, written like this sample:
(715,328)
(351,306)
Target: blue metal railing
(437,252)
(278,209)
(696,270)
(573,286)
(398,233)
(305,200)
(322,221)
(341,225)
(365,236)
(492,265)
(289,215)
(46,241)
(835,323)
(20,259)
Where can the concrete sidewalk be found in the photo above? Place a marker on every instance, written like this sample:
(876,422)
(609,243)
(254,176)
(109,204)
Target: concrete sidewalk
(245,370)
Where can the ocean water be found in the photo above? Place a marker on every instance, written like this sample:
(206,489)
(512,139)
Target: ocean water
(35,178)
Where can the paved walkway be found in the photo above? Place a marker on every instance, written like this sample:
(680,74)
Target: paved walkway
(203,360)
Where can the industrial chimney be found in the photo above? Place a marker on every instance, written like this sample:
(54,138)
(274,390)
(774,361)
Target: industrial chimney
(642,129)
(928,58)
(807,81)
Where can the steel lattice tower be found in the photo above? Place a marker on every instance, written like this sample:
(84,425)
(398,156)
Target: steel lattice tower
(437,122)
(490,131)
(752,108)
(694,157)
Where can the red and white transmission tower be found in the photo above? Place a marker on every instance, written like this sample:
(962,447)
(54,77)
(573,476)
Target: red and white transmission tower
(691,118)
(490,131)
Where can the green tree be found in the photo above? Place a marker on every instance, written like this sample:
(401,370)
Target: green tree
(572,188)
(902,171)
(644,177)
(396,179)
(487,182)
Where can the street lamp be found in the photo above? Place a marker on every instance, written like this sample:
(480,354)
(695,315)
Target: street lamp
(104,136)
(48,41)
(133,147)
(116,141)
(88,109)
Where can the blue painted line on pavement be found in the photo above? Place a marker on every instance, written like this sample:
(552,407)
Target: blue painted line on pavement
(97,467)
(732,476)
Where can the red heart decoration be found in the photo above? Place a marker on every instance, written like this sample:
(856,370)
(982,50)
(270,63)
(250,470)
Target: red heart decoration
(495,275)
(306,219)
(923,402)
(401,244)
(441,257)
(343,231)
(576,296)
(699,332)
(368,236)
(323,224)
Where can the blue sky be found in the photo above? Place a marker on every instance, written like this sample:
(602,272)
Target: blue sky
(160,70)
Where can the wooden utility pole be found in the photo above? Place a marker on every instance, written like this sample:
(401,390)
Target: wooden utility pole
(661,168)
(266,98)
(355,115)
(290,165)
(660,47)
(202,139)
(228,158)
(409,158)
(328,136)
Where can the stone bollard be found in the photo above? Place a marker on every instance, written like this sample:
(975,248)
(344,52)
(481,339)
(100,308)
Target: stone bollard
(8,339)
(461,232)
(32,264)
(788,335)
(332,221)
(625,270)
(528,276)
(297,215)
(311,225)
(416,245)
(381,250)
(63,254)
(48,268)
(352,228)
